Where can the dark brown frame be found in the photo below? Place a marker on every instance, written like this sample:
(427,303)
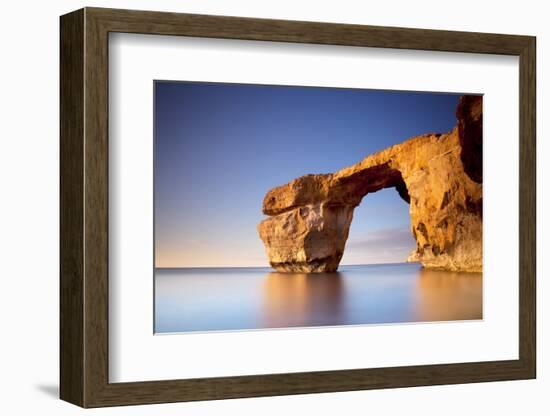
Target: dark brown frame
(84,209)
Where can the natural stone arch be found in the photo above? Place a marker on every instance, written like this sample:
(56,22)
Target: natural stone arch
(311,215)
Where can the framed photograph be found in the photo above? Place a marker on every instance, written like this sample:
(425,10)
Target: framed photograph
(255,207)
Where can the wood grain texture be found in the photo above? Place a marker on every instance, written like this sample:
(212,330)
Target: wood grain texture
(84,207)
(527,207)
(162,23)
(71,100)
(96,208)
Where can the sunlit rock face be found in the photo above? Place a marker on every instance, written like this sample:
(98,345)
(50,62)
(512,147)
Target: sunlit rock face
(439,175)
(310,238)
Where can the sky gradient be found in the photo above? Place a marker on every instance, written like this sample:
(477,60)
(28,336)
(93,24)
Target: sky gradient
(220,147)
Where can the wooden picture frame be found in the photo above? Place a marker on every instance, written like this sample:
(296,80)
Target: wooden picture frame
(84,207)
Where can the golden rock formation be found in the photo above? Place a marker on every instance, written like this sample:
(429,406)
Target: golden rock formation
(439,175)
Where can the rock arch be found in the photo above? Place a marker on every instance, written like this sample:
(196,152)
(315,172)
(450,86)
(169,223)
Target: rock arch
(439,175)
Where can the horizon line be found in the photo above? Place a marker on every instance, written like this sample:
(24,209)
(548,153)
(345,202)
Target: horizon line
(266,267)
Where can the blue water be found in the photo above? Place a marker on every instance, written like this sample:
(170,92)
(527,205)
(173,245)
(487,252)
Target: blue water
(216,299)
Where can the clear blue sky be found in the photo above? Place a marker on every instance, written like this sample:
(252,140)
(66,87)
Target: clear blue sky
(220,147)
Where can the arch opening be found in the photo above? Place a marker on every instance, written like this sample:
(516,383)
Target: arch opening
(380,231)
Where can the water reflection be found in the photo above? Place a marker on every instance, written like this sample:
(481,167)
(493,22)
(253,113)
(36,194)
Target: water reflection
(302,299)
(253,298)
(443,296)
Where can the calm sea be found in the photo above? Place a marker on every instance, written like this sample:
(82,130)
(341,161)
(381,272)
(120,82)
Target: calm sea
(221,299)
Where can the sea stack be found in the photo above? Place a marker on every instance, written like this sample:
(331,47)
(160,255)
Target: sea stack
(439,175)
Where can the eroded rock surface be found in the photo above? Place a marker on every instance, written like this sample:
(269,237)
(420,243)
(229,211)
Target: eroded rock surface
(439,175)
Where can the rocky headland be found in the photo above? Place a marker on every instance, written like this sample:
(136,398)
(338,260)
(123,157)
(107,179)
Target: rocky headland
(439,175)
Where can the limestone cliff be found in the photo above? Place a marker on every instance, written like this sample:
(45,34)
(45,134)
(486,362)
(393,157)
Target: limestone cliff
(439,175)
